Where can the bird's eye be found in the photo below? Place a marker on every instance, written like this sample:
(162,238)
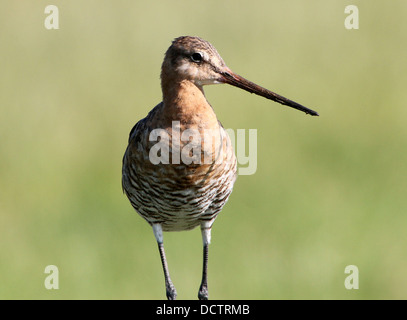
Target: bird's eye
(197,57)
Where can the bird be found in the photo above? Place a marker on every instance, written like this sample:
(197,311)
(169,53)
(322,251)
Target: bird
(174,178)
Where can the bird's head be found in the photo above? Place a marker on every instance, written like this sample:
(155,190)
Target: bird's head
(196,60)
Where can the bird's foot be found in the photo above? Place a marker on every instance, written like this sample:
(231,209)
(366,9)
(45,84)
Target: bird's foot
(203,293)
(170,291)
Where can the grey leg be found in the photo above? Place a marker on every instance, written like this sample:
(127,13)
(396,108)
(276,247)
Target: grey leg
(203,293)
(169,287)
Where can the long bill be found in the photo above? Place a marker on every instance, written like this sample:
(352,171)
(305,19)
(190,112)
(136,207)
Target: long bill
(235,80)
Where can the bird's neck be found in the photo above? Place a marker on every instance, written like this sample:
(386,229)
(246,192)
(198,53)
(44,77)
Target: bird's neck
(184,101)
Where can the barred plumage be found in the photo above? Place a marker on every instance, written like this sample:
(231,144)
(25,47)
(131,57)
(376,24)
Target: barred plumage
(178,196)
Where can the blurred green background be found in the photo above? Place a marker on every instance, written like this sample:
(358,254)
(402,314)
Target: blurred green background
(328,192)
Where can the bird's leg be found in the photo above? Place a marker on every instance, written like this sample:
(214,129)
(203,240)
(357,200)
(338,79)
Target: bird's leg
(169,287)
(206,239)
(203,289)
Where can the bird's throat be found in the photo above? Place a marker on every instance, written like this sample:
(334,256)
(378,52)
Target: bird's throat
(184,101)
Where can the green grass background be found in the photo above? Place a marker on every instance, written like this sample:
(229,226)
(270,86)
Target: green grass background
(328,192)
